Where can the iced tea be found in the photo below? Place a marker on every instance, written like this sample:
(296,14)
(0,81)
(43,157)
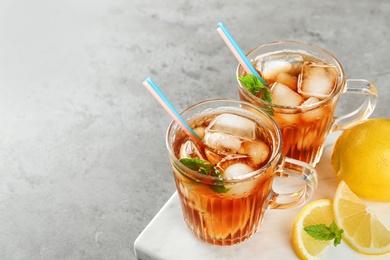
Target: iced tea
(225,185)
(305,83)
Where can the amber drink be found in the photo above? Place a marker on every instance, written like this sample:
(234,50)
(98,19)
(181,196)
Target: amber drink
(306,83)
(225,184)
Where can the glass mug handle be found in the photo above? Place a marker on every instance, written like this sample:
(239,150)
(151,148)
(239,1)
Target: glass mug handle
(297,195)
(361,87)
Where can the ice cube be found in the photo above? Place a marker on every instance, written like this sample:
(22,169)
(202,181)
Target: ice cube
(233,125)
(317,80)
(200,131)
(310,101)
(270,66)
(236,166)
(212,156)
(283,95)
(237,169)
(286,120)
(258,151)
(314,114)
(288,80)
(225,143)
(231,159)
(241,161)
(190,150)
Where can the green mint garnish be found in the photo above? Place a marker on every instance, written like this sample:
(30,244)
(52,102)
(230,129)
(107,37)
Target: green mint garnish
(205,168)
(257,88)
(197,165)
(322,232)
(219,189)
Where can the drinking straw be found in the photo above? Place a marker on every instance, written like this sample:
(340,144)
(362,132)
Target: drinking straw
(164,102)
(238,53)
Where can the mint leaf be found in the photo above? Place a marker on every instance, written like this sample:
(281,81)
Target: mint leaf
(339,236)
(258,89)
(219,188)
(251,83)
(322,232)
(197,164)
(218,173)
(206,168)
(338,233)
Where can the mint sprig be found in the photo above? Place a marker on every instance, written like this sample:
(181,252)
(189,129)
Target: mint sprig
(322,232)
(197,165)
(258,89)
(206,168)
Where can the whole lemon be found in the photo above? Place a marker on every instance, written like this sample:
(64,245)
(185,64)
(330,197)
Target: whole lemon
(361,157)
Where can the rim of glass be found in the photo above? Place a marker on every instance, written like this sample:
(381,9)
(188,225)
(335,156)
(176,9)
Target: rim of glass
(315,47)
(276,153)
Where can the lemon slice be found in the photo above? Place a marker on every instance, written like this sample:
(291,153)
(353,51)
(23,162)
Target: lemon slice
(316,212)
(362,229)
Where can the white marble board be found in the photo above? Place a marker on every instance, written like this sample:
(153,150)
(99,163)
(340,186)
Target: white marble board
(167,238)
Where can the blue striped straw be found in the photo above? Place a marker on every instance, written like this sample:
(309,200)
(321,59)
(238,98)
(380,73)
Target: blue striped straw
(241,57)
(164,102)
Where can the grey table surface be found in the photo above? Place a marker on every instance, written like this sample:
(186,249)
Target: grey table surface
(83,163)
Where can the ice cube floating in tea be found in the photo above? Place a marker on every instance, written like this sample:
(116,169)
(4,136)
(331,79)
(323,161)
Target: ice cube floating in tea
(235,144)
(295,79)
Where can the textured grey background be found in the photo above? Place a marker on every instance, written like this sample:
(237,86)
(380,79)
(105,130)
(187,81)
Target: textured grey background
(83,164)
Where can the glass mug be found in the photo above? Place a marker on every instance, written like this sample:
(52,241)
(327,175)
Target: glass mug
(305,126)
(228,207)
